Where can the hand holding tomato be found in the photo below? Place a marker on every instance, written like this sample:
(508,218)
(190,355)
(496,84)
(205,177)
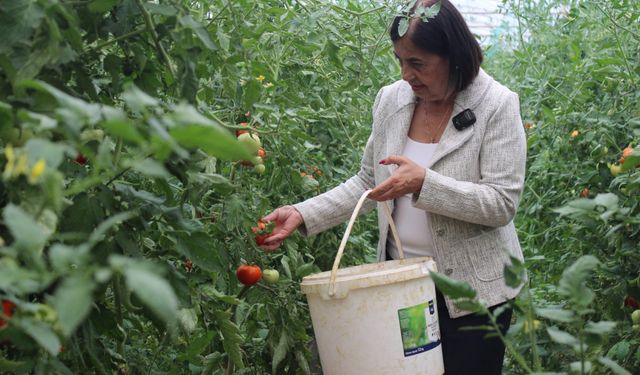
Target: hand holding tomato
(287,219)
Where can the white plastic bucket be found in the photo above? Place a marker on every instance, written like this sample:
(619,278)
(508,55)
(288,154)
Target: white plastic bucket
(376,318)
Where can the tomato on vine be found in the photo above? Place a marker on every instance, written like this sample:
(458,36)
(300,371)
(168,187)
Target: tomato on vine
(8,308)
(188,265)
(248,274)
(80,159)
(270,276)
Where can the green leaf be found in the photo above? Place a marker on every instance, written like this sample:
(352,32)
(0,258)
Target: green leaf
(18,20)
(432,11)
(10,366)
(101,6)
(211,291)
(303,363)
(613,366)
(469,305)
(41,332)
(148,167)
(52,153)
(212,140)
(154,291)
(223,39)
(28,235)
(75,111)
(201,32)
(188,320)
(280,352)
(137,99)
(556,314)
(101,231)
(561,337)
(600,328)
(577,367)
(231,337)
(452,288)
(608,200)
(251,92)
(572,283)
(122,128)
(620,350)
(200,248)
(197,345)
(403,26)
(576,207)
(72,301)
(514,273)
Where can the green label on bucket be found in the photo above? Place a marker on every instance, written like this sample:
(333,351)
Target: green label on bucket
(419,328)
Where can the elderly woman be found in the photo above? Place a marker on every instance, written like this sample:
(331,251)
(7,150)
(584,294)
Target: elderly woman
(448,150)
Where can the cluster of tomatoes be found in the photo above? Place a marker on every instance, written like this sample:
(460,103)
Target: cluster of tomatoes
(250,274)
(615,169)
(249,138)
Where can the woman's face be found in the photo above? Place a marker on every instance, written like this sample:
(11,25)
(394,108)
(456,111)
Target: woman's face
(427,73)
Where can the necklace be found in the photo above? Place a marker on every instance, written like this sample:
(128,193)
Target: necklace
(433,134)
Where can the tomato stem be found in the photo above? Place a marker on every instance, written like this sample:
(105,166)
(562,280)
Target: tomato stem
(243,291)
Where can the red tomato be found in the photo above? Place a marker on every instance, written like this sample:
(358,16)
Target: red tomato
(80,159)
(248,274)
(260,239)
(262,153)
(241,131)
(259,227)
(584,193)
(188,265)
(8,308)
(631,302)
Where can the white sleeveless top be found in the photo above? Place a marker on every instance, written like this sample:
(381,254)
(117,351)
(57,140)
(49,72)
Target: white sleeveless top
(412,223)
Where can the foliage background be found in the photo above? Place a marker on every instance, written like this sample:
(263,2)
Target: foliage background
(126,263)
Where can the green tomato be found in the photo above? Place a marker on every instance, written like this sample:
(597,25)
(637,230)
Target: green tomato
(635,316)
(251,142)
(257,160)
(91,135)
(270,276)
(260,168)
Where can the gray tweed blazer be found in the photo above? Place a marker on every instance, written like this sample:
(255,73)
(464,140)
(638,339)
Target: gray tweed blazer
(471,189)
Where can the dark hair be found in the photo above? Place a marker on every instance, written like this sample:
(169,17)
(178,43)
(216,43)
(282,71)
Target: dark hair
(446,35)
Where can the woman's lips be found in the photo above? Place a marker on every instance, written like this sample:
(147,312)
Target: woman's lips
(417,87)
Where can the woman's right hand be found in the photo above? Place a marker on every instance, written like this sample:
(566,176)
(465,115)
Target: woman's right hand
(287,220)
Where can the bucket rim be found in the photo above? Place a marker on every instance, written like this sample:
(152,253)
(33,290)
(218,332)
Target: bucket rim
(370,275)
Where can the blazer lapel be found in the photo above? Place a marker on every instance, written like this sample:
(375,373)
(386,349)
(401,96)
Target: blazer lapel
(398,122)
(468,98)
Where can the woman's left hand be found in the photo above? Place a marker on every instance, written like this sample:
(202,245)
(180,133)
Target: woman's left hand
(408,178)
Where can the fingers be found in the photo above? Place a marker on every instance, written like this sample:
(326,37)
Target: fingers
(407,178)
(286,219)
(394,159)
(381,192)
(271,216)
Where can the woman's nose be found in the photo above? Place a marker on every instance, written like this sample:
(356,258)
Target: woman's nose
(407,74)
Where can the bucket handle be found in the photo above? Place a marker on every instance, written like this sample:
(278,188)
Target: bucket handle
(345,238)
